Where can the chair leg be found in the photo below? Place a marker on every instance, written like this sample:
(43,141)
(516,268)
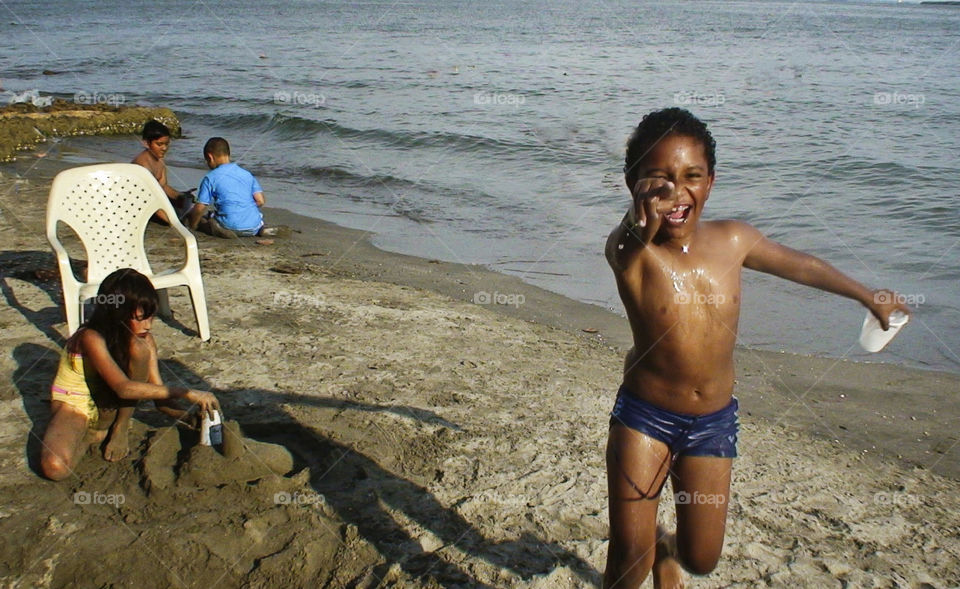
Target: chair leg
(163,309)
(200,310)
(74,309)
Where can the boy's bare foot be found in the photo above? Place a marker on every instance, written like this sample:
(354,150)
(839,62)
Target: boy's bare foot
(667,572)
(217,230)
(118,446)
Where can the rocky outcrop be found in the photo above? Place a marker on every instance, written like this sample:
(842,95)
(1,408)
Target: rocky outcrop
(23,125)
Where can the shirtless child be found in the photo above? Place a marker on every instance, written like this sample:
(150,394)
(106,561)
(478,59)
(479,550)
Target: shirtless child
(156,142)
(679,279)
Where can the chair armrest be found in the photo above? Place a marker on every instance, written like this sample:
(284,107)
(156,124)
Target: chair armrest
(188,237)
(63,258)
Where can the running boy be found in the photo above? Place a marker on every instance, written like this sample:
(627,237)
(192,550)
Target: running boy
(679,279)
(156,142)
(234,194)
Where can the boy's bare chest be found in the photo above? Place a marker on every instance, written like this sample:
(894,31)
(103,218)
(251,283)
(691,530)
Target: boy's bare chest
(689,278)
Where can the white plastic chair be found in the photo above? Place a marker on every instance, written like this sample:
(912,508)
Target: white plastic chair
(108,206)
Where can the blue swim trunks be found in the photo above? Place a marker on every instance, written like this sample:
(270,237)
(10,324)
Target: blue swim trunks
(713,434)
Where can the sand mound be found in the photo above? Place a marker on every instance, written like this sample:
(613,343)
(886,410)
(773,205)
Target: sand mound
(177,515)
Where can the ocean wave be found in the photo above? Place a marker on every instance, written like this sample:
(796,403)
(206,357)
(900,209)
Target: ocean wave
(350,179)
(537,146)
(293,126)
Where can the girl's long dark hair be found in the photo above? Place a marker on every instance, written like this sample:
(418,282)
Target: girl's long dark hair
(122,294)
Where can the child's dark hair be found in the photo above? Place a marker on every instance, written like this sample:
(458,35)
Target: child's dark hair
(217,146)
(657,125)
(121,295)
(153,130)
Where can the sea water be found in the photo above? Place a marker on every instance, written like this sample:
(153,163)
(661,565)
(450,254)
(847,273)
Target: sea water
(493,132)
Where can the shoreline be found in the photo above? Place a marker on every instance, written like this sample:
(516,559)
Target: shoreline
(816,390)
(438,441)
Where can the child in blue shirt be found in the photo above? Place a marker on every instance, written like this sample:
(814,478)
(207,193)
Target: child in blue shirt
(232,192)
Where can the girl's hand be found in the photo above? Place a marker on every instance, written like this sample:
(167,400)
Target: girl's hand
(205,401)
(883,303)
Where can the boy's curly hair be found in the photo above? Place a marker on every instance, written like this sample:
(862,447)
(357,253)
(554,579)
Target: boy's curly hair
(657,125)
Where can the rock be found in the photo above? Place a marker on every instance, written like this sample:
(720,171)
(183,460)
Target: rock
(22,130)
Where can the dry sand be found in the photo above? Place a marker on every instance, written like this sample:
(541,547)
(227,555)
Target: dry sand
(436,442)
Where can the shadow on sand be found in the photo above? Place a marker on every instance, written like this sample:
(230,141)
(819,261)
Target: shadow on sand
(353,484)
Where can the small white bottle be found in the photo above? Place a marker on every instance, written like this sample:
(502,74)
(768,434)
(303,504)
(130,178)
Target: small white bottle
(872,336)
(211,430)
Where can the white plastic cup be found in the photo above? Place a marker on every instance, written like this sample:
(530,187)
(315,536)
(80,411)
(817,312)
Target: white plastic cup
(211,430)
(872,336)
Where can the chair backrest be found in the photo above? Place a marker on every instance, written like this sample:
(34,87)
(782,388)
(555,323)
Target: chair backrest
(108,206)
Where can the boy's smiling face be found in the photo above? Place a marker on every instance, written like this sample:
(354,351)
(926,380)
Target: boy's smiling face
(679,159)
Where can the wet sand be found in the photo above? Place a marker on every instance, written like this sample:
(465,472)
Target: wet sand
(437,441)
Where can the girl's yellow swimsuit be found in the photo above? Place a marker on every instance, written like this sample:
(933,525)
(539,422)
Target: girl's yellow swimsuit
(72,387)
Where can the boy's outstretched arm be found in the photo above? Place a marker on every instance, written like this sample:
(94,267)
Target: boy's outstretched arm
(766,255)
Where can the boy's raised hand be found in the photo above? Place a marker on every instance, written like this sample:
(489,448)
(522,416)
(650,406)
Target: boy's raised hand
(647,207)
(883,303)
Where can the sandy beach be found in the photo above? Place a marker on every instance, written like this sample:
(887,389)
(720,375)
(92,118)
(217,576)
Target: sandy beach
(436,441)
